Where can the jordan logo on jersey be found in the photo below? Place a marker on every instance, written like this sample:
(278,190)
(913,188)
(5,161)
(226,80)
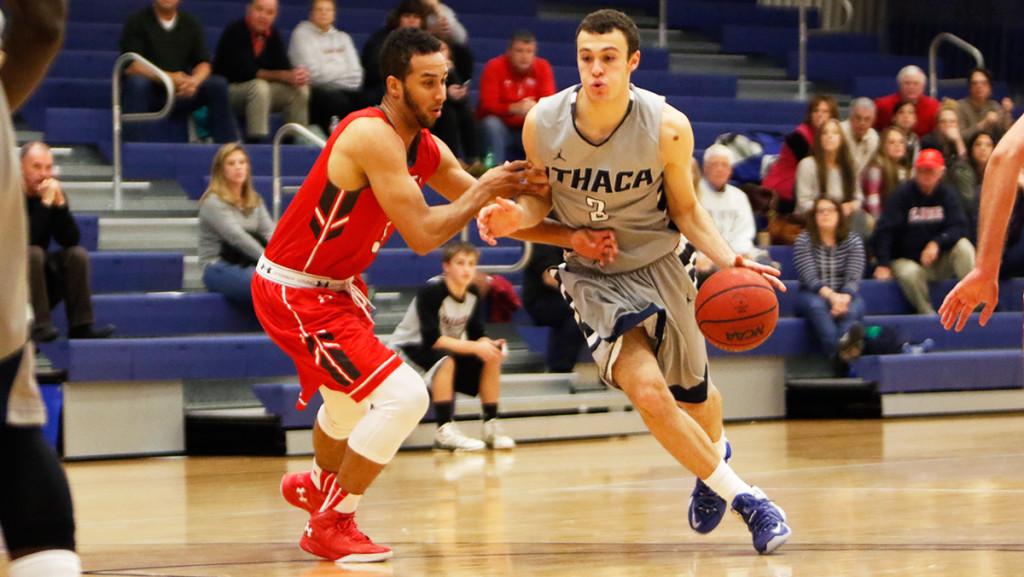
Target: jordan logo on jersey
(332,212)
(591,180)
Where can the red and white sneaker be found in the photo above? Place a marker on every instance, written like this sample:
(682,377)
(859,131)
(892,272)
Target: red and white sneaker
(335,537)
(300,491)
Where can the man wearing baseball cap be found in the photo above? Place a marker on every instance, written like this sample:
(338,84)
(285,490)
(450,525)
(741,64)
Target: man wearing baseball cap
(921,236)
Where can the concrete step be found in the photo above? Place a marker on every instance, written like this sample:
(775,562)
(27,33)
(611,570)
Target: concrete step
(735,64)
(777,89)
(680,41)
(179,234)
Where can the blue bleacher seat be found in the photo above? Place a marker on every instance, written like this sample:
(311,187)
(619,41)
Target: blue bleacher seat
(166,358)
(166,314)
(777,42)
(132,271)
(943,371)
(710,17)
(402,268)
(840,68)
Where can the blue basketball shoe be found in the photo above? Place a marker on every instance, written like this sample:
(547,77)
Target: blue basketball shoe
(706,507)
(766,520)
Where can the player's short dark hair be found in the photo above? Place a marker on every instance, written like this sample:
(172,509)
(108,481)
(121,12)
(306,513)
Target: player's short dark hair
(522,35)
(606,20)
(399,48)
(456,248)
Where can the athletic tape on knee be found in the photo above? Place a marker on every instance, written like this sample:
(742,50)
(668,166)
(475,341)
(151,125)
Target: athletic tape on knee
(397,406)
(53,563)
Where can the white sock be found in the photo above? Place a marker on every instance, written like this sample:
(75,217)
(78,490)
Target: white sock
(53,563)
(720,445)
(348,504)
(727,483)
(317,476)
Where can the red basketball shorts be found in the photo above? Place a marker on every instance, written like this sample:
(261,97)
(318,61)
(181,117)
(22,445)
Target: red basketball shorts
(329,338)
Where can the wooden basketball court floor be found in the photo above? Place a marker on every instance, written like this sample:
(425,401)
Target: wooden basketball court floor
(937,497)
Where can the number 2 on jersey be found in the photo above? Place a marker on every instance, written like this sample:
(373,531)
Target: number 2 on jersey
(598,214)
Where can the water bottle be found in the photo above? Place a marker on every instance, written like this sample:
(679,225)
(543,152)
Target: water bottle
(335,121)
(489,161)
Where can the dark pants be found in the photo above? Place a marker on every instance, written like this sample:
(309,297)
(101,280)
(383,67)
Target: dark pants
(232,281)
(1013,259)
(565,339)
(327,102)
(56,276)
(143,95)
(457,128)
(827,329)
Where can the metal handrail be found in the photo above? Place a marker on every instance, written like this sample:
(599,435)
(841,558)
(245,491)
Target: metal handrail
(662,23)
(300,130)
(118,117)
(933,53)
(287,130)
(802,42)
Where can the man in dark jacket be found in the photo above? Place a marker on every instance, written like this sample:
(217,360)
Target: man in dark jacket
(61,274)
(261,80)
(175,42)
(922,234)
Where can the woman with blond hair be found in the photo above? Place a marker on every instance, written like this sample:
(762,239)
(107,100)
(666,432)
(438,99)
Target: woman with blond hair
(234,226)
(885,171)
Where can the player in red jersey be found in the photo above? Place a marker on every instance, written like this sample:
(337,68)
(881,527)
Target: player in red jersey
(310,299)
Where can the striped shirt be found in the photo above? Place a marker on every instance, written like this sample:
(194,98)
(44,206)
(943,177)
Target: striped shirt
(837,267)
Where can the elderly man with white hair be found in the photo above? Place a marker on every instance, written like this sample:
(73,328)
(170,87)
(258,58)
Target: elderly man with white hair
(861,138)
(729,208)
(912,82)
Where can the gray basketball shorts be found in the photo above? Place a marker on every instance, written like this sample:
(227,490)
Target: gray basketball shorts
(659,297)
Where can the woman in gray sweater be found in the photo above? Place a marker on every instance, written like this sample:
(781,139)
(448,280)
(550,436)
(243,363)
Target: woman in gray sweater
(234,226)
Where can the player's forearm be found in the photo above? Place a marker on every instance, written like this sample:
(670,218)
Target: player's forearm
(547,231)
(440,223)
(453,345)
(998,193)
(698,228)
(35,31)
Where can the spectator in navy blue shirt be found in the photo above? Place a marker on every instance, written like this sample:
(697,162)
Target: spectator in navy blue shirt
(261,79)
(922,235)
(174,41)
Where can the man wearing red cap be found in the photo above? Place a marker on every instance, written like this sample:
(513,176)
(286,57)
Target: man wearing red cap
(921,235)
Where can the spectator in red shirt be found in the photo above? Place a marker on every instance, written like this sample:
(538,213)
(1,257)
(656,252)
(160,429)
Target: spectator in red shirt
(510,86)
(911,81)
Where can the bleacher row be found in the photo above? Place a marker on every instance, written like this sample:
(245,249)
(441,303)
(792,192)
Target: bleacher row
(166,333)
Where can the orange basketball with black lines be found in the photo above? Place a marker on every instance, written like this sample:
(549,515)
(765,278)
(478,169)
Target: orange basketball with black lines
(736,309)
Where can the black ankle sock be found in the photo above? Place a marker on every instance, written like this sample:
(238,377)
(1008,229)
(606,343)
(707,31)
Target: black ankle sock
(444,412)
(490,411)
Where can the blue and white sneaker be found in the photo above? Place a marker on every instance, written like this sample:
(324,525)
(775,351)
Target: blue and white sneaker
(766,520)
(706,507)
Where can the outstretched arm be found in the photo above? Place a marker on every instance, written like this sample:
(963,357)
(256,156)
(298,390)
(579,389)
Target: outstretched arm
(998,192)
(383,166)
(35,31)
(676,143)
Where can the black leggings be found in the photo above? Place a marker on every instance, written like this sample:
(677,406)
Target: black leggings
(35,502)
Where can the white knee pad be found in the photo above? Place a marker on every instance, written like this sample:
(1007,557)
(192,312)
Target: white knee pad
(53,563)
(396,407)
(339,414)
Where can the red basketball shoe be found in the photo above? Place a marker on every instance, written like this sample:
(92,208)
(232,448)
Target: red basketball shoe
(335,537)
(300,491)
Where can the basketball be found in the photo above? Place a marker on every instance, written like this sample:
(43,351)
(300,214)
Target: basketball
(737,309)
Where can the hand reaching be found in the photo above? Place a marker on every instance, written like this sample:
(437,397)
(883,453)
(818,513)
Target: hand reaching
(975,289)
(599,245)
(770,273)
(498,219)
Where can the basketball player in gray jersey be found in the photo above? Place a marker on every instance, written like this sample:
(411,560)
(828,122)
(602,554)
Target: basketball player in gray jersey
(618,157)
(35,504)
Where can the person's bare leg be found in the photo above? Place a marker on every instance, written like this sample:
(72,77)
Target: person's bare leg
(442,386)
(490,382)
(707,414)
(637,372)
(328,452)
